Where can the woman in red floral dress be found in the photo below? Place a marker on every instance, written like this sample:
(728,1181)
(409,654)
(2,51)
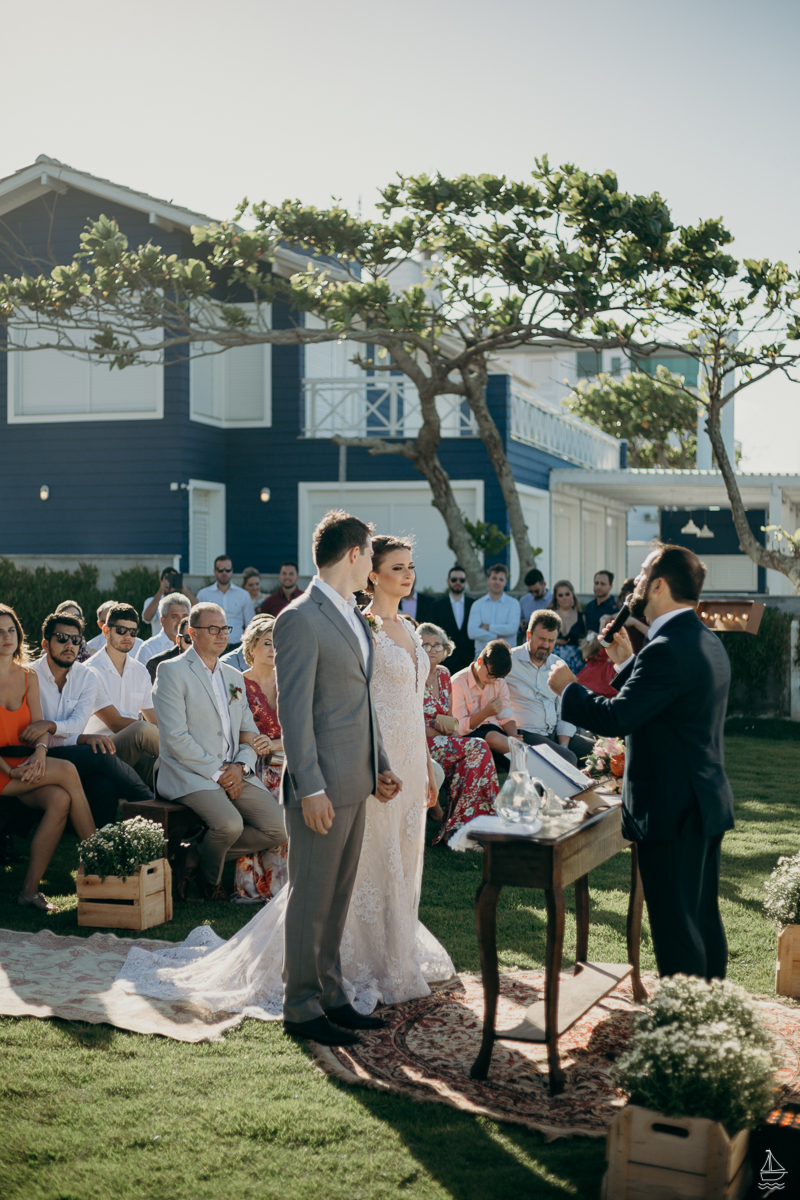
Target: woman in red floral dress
(467,762)
(260,876)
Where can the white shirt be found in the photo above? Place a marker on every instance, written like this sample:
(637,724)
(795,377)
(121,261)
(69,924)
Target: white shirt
(536,706)
(457,605)
(129,692)
(652,632)
(236,603)
(502,616)
(223,708)
(347,608)
(71,709)
(153,646)
(155,624)
(99,643)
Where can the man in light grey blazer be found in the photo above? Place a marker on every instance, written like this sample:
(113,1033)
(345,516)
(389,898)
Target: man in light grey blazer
(324,656)
(202,708)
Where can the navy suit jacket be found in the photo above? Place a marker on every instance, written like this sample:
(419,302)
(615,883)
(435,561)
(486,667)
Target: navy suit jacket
(671,711)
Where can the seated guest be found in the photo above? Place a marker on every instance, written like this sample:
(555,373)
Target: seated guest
(235,658)
(123,704)
(451,614)
(599,674)
(538,597)
(67,692)
(34,781)
(466,761)
(537,709)
(182,643)
(251,582)
(573,625)
(603,604)
(71,608)
(234,601)
(495,615)
(99,643)
(286,593)
(172,608)
(202,709)
(636,630)
(168,584)
(481,703)
(260,875)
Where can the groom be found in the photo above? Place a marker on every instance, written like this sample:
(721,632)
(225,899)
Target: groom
(324,656)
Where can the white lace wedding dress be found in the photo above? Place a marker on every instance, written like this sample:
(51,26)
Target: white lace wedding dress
(387,955)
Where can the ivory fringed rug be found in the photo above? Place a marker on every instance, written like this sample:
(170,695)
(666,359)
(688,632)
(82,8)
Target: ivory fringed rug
(427,1050)
(47,975)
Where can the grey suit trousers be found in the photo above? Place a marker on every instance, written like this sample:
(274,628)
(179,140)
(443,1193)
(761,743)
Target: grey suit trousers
(252,822)
(322,874)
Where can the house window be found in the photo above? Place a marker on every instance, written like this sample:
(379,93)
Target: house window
(616,366)
(53,385)
(589,363)
(232,389)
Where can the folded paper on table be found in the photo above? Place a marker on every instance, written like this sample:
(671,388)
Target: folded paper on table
(462,838)
(556,773)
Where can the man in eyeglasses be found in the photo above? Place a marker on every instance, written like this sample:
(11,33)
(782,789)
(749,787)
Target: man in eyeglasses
(123,706)
(235,602)
(67,690)
(451,613)
(182,644)
(172,609)
(202,710)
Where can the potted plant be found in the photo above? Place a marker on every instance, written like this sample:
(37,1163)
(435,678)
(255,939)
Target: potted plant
(700,1074)
(782,903)
(124,880)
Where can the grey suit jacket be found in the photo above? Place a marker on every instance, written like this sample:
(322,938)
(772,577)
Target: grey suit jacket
(189,728)
(331,735)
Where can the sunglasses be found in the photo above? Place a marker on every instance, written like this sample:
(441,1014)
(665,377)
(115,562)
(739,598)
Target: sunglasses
(224,570)
(458,579)
(125,630)
(63,638)
(215,630)
(185,638)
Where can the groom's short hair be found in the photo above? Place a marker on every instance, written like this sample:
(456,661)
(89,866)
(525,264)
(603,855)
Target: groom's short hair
(337,533)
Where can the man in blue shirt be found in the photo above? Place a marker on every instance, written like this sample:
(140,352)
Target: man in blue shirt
(604,601)
(495,615)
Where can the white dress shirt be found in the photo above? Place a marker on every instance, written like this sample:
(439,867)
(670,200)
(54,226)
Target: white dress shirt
(236,603)
(502,616)
(347,608)
(153,646)
(457,605)
(536,706)
(155,624)
(223,708)
(70,709)
(129,692)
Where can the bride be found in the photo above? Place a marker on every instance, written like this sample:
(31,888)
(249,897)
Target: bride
(387,955)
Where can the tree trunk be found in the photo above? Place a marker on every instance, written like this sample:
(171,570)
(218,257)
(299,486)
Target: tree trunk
(787,564)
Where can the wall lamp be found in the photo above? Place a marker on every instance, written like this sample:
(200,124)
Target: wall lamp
(265,494)
(44,492)
(177,487)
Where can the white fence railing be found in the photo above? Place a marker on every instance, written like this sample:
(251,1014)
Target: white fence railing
(560,433)
(377,406)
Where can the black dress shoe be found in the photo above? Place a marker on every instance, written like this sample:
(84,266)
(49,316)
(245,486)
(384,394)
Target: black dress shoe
(346,1017)
(320,1030)
(7,852)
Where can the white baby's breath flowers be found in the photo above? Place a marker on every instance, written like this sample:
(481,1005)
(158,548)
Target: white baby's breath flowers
(782,892)
(120,849)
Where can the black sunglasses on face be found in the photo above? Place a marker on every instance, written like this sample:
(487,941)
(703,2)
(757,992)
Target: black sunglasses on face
(224,570)
(125,630)
(63,638)
(186,638)
(458,579)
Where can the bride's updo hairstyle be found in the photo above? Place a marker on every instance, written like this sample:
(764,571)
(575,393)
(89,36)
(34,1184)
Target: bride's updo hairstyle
(382,545)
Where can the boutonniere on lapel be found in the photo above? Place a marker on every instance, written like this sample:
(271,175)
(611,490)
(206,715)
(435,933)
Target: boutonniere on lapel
(374,623)
(235,693)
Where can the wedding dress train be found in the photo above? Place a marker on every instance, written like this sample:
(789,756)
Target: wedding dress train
(387,955)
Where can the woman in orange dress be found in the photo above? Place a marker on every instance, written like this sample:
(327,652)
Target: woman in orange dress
(50,785)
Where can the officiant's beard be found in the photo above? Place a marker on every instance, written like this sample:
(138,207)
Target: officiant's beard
(637,604)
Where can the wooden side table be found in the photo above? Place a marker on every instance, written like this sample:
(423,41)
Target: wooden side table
(552,864)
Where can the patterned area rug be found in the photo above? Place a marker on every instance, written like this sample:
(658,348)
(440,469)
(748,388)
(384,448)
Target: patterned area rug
(429,1046)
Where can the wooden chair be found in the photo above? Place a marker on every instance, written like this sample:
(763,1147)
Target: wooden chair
(177,820)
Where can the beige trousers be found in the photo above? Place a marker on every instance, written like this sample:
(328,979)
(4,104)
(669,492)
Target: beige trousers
(137,745)
(251,822)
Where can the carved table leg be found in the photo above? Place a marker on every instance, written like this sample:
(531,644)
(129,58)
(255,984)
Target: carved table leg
(486,925)
(554,899)
(582,921)
(634,926)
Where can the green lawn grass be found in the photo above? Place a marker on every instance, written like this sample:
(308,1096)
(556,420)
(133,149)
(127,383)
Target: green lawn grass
(91,1112)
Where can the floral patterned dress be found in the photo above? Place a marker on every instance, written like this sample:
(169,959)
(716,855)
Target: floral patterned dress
(259,876)
(467,764)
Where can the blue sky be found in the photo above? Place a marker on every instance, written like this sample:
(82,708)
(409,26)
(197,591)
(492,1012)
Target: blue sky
(201,104)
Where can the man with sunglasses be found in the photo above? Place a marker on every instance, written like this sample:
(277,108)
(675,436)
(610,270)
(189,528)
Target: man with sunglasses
(451,613)
(182,644)
(172,608)
(123,706)
(67,691)
(235,602)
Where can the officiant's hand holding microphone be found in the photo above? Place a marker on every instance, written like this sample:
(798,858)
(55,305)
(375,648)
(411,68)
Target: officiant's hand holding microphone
(619,651)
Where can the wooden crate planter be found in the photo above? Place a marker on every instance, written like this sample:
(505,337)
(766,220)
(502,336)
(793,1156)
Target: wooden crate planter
(787,968)
(139,901)
(653,1157)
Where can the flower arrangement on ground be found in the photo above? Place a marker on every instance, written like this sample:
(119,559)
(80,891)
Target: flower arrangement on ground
(606,763)
(782,891)
(120,849)
(701,1050)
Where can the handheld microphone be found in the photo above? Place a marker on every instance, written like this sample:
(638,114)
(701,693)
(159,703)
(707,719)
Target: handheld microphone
(607,638)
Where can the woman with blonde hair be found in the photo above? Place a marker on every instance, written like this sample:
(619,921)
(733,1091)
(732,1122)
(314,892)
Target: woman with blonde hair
(573,624)
(30,778)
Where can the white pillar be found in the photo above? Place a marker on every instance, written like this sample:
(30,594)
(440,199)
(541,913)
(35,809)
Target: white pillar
(777,583)
(704,454)
(794,673)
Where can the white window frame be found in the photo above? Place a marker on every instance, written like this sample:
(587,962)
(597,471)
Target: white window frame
(221,377)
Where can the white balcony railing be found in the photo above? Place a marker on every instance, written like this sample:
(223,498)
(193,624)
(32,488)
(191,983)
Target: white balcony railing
(376,406)
(560,433)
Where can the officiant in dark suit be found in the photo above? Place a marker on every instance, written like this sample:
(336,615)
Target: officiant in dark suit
(451,613)
(677,802)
